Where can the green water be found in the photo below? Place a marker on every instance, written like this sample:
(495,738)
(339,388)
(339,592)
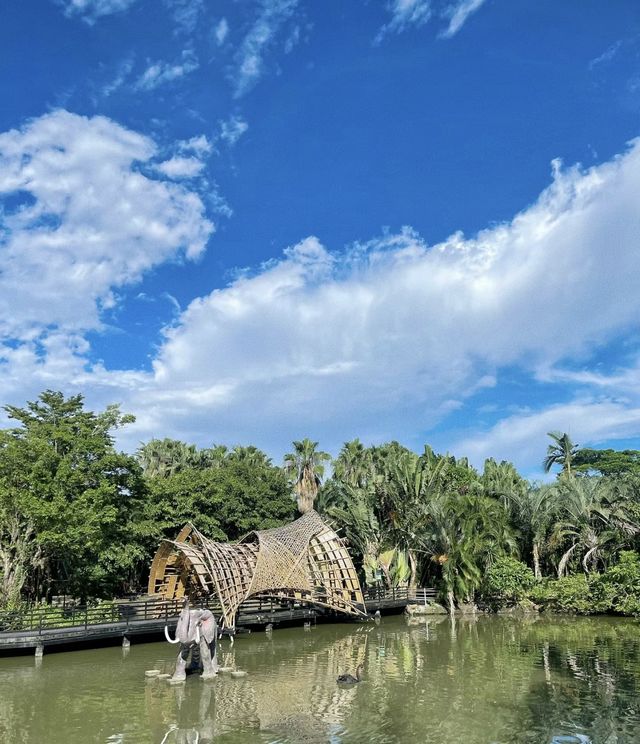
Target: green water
(490,680)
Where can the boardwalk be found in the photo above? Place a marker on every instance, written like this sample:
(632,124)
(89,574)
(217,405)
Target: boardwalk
(41,628)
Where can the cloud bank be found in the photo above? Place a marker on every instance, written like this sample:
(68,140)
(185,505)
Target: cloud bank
(385,337)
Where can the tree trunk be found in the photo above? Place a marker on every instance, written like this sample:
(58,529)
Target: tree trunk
(413,565)
(19,556)
(562,565)
(307,489)
(536,561)
(452,606)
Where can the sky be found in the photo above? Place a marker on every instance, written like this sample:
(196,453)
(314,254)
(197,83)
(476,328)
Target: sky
(251,221)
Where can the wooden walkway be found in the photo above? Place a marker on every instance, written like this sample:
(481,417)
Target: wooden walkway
(38,628)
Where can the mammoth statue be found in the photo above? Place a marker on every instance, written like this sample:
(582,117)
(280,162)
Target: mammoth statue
(196,633)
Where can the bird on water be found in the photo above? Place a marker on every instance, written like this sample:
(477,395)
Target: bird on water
(349,678)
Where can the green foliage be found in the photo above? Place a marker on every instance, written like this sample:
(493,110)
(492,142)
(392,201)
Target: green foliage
(305,468)
(615,590)
(607,462)
(466,535)
(619,585)
(224,502)
(60,474)
(507,580)
(560,452)
(567,594)
(79,517)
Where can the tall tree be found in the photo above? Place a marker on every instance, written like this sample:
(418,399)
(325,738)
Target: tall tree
(251,455)
(465,534)
(535,512)
(560,452)
(592,519)
(223,502)
(61,476)
(607,462)
(305,468)
(353,465)
(503,482)
(161,458)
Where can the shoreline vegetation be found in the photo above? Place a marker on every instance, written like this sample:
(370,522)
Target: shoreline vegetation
(79,518)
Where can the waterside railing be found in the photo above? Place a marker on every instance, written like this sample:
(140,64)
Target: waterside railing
(39,619)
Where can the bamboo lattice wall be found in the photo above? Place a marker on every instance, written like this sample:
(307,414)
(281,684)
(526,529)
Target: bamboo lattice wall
(304,561)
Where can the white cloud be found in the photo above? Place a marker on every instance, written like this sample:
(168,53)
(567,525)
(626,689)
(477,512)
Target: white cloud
(199,145)
(80,219)
(458,13)
(159,73)
(232,129)
(405,13)
(378,340)
(122,74)
(186,14)
(178,167)
(221,31)
(91,10)
(523,437)
(386,338)
(249,59)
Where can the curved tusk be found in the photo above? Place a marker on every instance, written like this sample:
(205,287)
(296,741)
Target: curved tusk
(198,633)
(231,638)
(168,637)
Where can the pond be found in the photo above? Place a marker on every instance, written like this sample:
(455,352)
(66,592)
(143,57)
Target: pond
(492,679)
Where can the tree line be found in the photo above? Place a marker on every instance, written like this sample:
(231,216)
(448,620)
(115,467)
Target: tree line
(79,517)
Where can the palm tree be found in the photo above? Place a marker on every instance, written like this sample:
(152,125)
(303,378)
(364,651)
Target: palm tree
(560,452)
(304,466)
(592,518)
(250,455)
(465,534)
(413,484)
(161,458)
(353,512)
(535,512)
(214,456)
(353,465)
(503,482)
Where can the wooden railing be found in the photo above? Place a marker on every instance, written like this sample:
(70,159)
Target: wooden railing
(422,595)
(399,594)
(377,594)
(40,618)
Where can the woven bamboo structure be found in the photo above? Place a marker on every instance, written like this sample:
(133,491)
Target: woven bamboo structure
(304,561)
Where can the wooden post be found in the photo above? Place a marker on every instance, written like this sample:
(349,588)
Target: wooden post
(39,650)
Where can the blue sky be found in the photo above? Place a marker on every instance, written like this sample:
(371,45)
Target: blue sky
(253,221)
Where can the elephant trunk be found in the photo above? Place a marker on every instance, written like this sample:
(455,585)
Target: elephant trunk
(168,637)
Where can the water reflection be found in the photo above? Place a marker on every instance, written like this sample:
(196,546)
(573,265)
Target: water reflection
(480,679)
(287,695)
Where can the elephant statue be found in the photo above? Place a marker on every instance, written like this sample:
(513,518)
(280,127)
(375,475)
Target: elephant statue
(197,634)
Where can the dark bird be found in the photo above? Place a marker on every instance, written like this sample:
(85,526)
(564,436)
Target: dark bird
(349,678)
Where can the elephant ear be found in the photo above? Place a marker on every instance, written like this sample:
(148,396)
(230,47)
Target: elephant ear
(183,629)
(208,627)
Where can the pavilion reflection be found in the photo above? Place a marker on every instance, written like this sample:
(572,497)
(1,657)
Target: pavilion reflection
(284,697)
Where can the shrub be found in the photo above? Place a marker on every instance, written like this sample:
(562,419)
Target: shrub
(568,594)
(508,580)
(619,585)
